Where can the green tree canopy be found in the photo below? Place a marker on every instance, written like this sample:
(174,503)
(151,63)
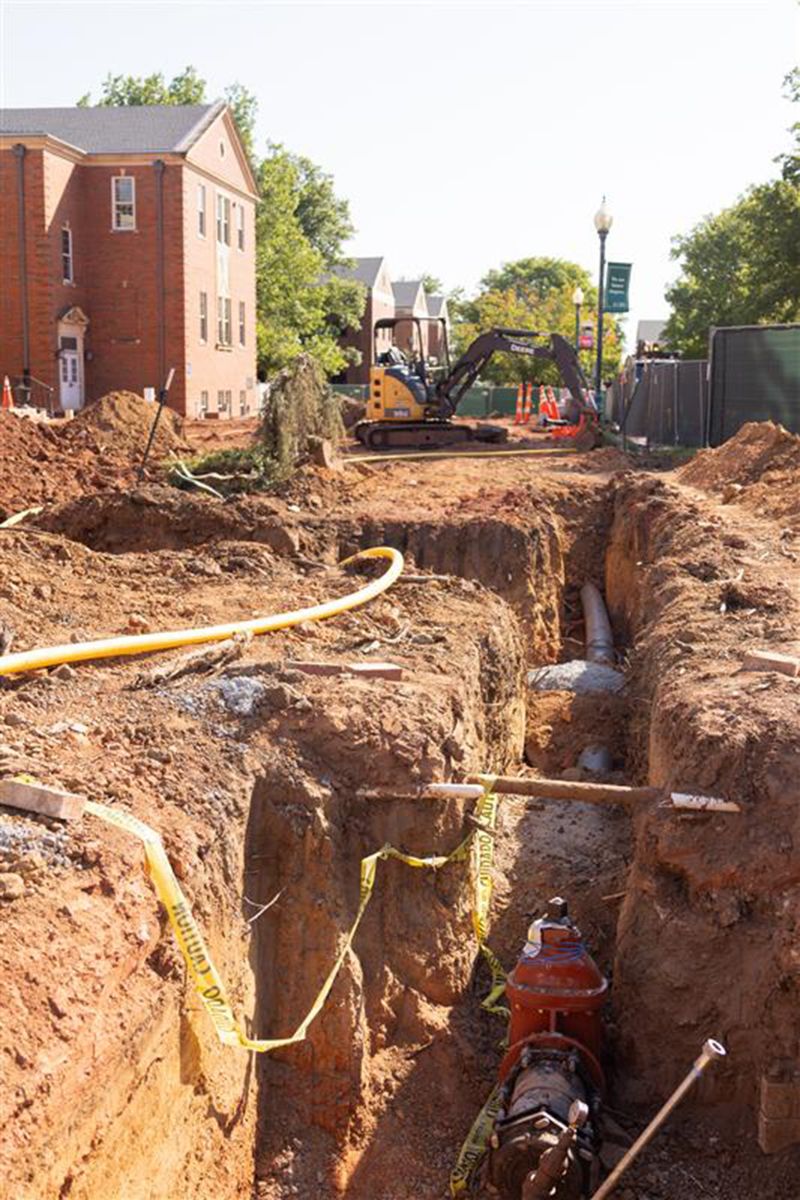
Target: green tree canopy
(739,267)
(301,306)
(536,294)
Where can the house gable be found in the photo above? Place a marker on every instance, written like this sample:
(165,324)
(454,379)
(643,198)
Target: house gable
(218,152)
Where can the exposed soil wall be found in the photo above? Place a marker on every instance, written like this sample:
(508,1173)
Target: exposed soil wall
(707,930)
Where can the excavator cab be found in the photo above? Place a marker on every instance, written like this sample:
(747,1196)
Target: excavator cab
(400,382)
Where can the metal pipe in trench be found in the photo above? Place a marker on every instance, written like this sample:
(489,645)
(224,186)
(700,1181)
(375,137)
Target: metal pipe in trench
(711,1052)
(599,638)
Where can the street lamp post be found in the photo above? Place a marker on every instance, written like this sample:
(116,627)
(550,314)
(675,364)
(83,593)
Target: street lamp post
(577,300)
(603,221)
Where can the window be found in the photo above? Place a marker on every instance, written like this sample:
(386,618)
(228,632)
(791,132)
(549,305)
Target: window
(223,220)
(240,226)
(204,316)
(223,321)
(203,403)
(123,202)
(241,322)
(66,256)
(242,404)
(220,402)
(228,402)
(201,210)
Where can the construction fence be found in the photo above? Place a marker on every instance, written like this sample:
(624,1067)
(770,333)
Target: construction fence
(752,374)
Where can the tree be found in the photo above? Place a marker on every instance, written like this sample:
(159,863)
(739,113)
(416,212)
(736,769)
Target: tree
(123,90)
(431,285)
(532,293)
(739,267)
(790,161)
(301,305)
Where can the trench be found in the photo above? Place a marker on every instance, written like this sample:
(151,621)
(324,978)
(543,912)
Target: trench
(378,1099)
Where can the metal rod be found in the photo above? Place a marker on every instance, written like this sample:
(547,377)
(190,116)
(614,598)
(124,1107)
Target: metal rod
(711,1051)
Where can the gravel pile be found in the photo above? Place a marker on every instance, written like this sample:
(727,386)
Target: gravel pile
(28,844)
(576,676)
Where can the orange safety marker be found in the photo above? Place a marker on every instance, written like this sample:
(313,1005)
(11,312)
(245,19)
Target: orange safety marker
(518,415)
(528,404)
(7,401)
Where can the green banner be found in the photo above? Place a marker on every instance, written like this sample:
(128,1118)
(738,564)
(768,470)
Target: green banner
(618,277)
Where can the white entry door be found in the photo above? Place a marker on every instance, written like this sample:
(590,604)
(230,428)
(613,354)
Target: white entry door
(70,392)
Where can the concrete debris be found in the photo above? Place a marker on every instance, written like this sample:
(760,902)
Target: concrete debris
(576,676)
(240,694)
(368,670)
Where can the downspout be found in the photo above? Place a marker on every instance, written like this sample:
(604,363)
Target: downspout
(20,152)
(160,167)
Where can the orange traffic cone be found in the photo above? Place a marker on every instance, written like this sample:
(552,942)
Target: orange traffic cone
(542,404)
(518,415)
(7,401)
(528,404)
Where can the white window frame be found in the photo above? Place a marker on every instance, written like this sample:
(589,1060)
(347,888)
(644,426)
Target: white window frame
(242,403)
(204,317)
(201,210)
(224,329)
(67,260)
(223,219)
(220,400)
(203,408)
(115,203)
(242,322)
(240,226)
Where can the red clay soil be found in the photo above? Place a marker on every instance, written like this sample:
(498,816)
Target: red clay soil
(100,449)
(758,468)
(113,1077)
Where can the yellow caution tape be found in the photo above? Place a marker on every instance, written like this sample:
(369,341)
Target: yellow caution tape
(474,1146)
(199,964)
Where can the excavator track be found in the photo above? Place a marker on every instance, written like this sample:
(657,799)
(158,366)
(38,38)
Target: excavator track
(419,435)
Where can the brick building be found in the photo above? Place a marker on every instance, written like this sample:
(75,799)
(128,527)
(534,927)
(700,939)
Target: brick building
(373,273)
(127,248)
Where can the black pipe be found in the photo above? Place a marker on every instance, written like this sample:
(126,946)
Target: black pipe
(20,152)
(160,167)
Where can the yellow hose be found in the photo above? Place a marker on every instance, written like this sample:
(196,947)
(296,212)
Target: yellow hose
(145,643)
(421,455)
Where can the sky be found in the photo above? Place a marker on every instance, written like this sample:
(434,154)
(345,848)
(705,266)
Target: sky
(465,135)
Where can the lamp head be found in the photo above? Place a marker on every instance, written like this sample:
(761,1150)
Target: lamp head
(577,296)
(603,219)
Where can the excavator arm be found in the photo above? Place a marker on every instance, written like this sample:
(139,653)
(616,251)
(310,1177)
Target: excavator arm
(468,367)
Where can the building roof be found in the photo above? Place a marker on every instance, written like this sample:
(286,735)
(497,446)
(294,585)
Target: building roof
(650,332)
(436,304)
(365,270)
(132,129)
(406,292)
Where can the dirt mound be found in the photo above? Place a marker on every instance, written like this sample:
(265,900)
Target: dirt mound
(121,421)
(98,451)
(759,467)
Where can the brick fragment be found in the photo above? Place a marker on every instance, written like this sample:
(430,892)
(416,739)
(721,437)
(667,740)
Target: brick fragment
(771,660)
(38,797)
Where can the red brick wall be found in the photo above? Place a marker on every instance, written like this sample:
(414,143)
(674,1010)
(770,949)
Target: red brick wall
(209,368)
(116,278)
(41,362)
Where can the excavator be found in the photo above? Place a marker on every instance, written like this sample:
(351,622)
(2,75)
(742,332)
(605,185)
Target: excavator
(411,404)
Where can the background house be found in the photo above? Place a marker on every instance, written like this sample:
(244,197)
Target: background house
(373,273)
(410,301)
(127,248)
(437,307)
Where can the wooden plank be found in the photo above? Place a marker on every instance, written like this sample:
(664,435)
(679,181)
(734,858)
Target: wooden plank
(38,797)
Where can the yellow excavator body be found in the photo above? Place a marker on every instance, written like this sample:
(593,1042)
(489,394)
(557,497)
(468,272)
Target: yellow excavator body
(391,400)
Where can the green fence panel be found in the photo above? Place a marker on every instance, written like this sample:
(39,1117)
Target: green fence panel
(359,391)
(503,400)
